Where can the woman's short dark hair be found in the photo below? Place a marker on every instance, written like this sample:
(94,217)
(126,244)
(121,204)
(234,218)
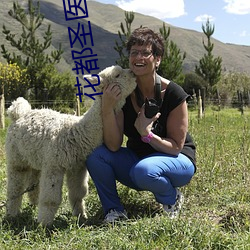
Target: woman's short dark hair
(146,36)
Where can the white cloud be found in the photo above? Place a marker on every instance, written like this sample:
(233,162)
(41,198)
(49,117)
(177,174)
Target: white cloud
(240,7)
(243,33)
(203,18)
(158,8)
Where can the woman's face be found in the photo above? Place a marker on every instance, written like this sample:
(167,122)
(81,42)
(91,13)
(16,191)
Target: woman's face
(142,60)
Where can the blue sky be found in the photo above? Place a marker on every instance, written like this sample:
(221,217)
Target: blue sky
(230,17)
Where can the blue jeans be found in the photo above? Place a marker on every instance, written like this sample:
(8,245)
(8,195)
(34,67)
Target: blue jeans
(158,173)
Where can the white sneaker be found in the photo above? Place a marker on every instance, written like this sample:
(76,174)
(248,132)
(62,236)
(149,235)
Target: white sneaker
(114,215)
(172,211)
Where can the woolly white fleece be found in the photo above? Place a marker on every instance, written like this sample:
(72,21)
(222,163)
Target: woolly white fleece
(42,145)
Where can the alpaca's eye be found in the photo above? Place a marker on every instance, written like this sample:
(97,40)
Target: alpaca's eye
(117,76)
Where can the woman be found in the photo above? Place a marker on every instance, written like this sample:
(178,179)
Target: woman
(160,154)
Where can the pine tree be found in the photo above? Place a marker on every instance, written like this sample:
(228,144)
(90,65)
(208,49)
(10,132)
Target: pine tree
(123,61)
(172,61)
(31,48)
(209,67)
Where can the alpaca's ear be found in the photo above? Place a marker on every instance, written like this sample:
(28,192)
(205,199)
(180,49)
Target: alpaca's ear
(93,85)
(93,79)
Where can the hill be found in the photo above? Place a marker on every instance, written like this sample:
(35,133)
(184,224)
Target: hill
(105,22)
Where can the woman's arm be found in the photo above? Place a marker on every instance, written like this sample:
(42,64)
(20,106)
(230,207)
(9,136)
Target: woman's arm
(112,122)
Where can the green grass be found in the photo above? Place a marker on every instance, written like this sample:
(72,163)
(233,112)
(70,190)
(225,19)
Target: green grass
(215,215)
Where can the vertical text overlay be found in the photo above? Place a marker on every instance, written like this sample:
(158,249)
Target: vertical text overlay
(85,59)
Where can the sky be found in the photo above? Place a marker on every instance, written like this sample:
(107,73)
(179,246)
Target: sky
(231,18)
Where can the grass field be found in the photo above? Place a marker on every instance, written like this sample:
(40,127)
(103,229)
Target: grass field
(215,215)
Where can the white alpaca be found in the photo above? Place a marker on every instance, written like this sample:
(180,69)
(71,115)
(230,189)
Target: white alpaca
(42,145)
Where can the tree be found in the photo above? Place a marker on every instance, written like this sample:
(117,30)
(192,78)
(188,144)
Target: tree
(59,86)
(232,83)
(124,61)
(32,49)
(209,67)
(12,80)
(172,61)
(193,83)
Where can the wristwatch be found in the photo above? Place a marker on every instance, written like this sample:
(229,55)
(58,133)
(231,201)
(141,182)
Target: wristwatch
(147,139)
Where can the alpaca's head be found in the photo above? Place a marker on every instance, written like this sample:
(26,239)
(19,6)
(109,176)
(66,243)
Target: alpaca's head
(124,78)
(18,108)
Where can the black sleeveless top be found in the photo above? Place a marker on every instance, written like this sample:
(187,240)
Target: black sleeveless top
(174,95)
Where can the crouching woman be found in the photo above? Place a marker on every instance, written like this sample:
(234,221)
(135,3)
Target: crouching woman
(160,154)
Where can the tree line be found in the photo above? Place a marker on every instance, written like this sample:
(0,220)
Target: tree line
(40,77)
(207,77)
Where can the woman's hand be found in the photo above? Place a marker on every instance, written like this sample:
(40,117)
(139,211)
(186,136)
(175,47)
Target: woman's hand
(111,95)
(144,124)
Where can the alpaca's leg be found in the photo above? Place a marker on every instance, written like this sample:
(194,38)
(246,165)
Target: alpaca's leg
(77,181)
(50,195)
(34,186)
(16,184)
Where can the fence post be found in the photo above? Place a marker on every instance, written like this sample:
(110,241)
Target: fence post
(194,96)
(240,100)
(203,98)
(199,105)
(2,108)
(219,99)
(78,110)
(45,97)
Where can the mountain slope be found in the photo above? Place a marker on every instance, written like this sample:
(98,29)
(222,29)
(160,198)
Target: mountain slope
(105,22)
